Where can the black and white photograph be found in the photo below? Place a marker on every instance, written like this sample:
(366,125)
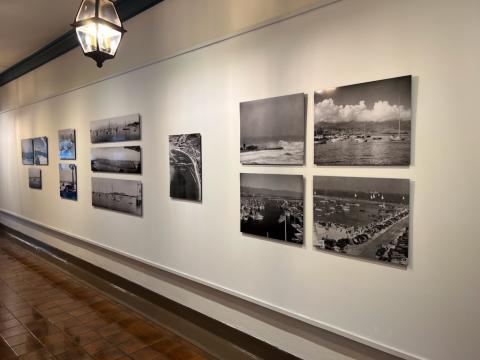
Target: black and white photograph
(272,131)
(67,144)
(118,195)
(365,124)
(40,151)
(123,128)
(68,181)
(122,159)
(271,206)
(186,166)
(363,217)
(27,152)
(35,178)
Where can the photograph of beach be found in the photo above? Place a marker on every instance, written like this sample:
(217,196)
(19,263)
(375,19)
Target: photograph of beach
(123,128)
(364,124)
(362,217)
(272,131)
(40,151)
(35,178)
(118,195)
(66,144)
(122,159)
(68,181)
(186,166)
(271,206)
(27,152)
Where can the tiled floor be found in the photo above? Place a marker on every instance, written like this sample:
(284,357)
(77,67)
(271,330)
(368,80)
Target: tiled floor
(47,314)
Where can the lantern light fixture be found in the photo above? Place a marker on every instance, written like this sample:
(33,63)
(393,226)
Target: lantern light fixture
(99,29)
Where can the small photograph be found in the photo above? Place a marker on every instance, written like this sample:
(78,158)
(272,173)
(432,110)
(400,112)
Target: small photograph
(272,206)
(40,151)
(272,131)
(67,144)
(27,152)
(35,178)
(68,181)
(122,159)
(365,124)
(118,195)
(363,217)
(186,166)
(123,128)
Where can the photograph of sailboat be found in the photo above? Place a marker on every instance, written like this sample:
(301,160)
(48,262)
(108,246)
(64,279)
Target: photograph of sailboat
(118,195)
(68,181)
(123,128)
(364,124)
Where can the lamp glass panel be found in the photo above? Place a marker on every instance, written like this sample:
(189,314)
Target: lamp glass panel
(87,35)
(107,11)
(108,39)
(87,10)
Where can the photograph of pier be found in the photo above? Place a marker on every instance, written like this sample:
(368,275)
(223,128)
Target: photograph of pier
(35,178)
(27,152)
(364,124)
(272,206)
(363,217)
(68,181)
(118,195)
(272,131)
(186,166)
(40,151)
(122,159)
(123,128)
(67,144)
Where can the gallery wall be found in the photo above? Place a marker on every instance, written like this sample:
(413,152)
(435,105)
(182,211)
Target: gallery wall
(428,310)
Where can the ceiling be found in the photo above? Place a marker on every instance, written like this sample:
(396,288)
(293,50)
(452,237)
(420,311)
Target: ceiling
(28,25)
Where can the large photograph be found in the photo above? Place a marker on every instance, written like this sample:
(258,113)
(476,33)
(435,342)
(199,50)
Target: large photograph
(363,217)
(124,128)
(66,144)
(118,195)
(364,124)
(124,159)
(68,181)
(272,206)
(272,131)
(40,151)
(34,178)
(186,166)
(27,152)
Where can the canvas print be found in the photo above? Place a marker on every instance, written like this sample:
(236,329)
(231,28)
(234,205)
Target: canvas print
(272,206)
(364,124)
(35,178)
(40,151)
(67,144)
(123,128)
(272,131)
(119,195)
(363,217)
(27,152)
(186,166)
(68,181)
(123,159)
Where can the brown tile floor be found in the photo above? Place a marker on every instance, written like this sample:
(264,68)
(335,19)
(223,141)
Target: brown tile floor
(47,314)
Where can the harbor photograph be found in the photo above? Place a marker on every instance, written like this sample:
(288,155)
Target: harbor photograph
(272,206)
(68,181)
(27,152)
(272,131)
(66,144)
(364,124)
(124,128)
(118,195)
(362,217)
(40,151)
(35,178)
(122,159)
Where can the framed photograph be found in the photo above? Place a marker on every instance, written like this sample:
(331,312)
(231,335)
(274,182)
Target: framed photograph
(364,124)
(35,178)
(186,166)
(272,131)
(118,195)
(67,144)
(122,159)
(40,151)
(27,152)
(123,128)
(272,206)
(68,181)
(363,217)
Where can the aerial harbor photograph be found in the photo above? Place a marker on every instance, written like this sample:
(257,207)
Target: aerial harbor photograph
(124,128)
(363,217)
(40,151)
(27,152)
(122,159)
(68,181)
(66,144)
(118,195)
(364,124)
(271,206)
(272,131)
(35,178)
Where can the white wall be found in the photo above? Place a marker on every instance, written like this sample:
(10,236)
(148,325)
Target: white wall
(430,310)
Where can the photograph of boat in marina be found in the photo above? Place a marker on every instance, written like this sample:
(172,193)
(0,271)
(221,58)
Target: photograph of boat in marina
(27,152)
(272,206)
(34,178)
(68,181)
(122,159)
(186,166)
(118,195)
(123,128)
(40,151)
(66,144)
(364,124)
(272,131)
(363,217)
